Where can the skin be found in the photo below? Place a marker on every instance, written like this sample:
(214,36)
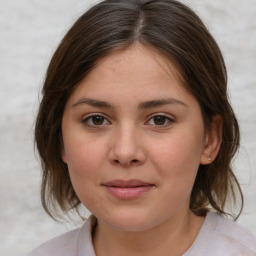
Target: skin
(148,128)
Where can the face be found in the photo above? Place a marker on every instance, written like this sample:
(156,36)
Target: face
(133,140)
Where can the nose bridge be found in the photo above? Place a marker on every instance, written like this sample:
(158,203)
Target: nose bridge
(126,146)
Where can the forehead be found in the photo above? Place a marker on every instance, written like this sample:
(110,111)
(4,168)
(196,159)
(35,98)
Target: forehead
(141,58)
(138,73)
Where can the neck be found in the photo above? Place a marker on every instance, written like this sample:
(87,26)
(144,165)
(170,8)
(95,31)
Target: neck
(172,237)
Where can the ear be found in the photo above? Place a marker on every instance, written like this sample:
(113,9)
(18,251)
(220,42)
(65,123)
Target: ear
(212,141)
(64,159)
(63,155)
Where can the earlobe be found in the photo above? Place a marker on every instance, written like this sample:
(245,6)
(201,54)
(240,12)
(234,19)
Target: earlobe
(63,156)
(63,153)
(212,142)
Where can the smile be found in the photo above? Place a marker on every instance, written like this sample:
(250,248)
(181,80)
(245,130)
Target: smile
(127,189)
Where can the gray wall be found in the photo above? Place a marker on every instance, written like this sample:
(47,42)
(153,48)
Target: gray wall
(29,32)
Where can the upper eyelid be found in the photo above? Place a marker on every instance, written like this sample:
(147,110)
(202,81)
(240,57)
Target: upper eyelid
(86,117)
(94,114)
(169,116)
(169,120)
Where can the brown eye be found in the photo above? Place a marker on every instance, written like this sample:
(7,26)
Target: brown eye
(98,120)
(159,120)
(95,120)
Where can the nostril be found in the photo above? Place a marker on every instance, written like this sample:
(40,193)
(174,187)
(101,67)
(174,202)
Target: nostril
(131,162)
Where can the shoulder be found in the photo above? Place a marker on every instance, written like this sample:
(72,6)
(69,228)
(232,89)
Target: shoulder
(223,237)
(61,245)
(229,233)
(68,244)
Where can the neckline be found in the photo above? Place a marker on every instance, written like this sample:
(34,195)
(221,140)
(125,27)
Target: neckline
(201,238)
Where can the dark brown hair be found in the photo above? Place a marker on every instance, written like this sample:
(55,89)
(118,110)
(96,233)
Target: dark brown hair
(175,31)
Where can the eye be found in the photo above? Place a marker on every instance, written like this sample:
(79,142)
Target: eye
(160,120)
(95,120)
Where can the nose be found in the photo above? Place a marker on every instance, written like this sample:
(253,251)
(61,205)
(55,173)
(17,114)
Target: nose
(126,147)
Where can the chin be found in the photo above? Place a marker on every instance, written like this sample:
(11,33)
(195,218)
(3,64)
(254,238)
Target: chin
(132,222)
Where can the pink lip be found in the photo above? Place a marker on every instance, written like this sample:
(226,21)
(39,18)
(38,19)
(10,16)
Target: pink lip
(127,189)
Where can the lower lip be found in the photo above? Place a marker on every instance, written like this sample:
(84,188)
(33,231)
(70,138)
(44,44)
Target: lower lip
(128,193)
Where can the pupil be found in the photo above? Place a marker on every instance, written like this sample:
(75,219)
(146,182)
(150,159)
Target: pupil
(98,120)
(159,120)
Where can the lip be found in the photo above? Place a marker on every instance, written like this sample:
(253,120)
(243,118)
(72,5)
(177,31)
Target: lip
(128,189)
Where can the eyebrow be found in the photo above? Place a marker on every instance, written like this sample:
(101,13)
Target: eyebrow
(160,102)
(142,105)
(93,102)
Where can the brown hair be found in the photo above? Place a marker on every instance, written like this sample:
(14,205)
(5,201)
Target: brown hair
(175,31)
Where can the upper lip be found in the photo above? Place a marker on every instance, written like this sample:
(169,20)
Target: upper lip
(126,183)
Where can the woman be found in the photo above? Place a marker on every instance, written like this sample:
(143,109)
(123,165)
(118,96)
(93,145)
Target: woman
(135,124)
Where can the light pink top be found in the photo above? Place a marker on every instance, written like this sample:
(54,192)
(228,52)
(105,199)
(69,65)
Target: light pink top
(217,237)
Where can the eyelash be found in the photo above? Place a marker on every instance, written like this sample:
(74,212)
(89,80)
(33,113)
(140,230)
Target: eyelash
(89,118)
(167,120)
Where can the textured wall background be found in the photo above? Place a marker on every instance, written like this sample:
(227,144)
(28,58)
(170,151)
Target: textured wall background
(29,32)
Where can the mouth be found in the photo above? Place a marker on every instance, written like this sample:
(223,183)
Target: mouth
(127,189)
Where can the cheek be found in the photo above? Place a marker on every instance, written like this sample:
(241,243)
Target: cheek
(177,166)
(84,159)
(177,160)
(179,151)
